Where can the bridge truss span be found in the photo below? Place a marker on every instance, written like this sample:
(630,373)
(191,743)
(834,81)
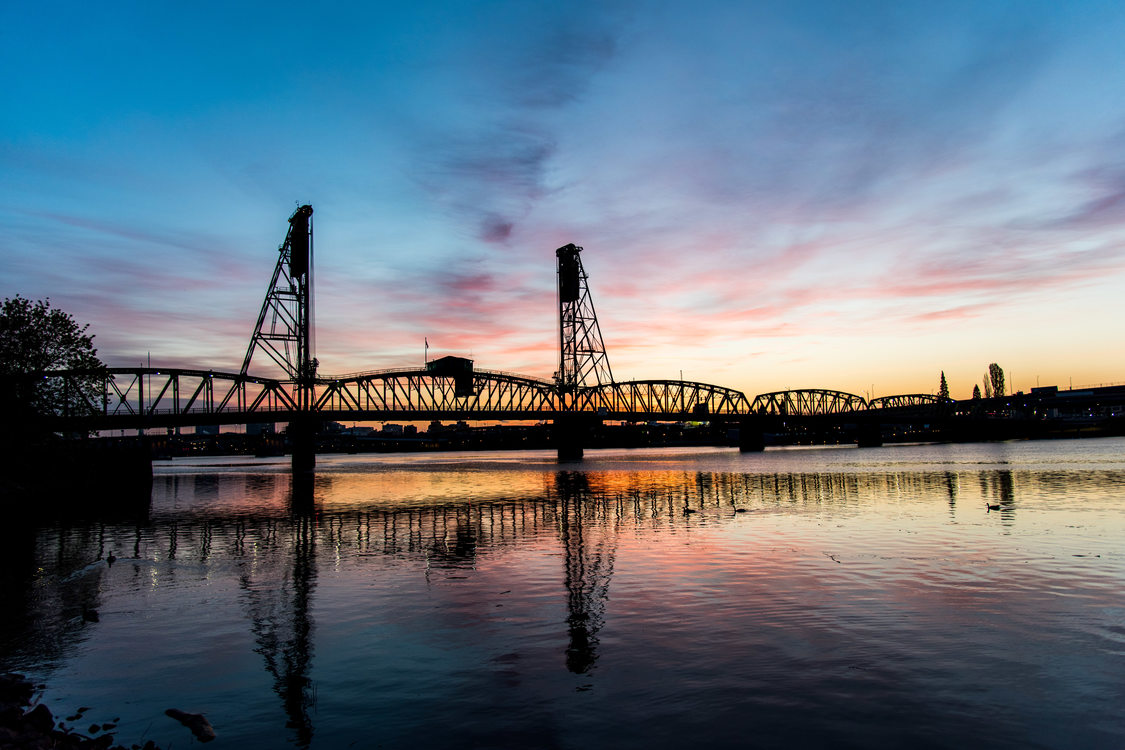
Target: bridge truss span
(661,399)
(422,394)
(120,397)
(908,400)
(807,403)
(124,397)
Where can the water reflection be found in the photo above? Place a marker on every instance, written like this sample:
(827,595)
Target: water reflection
(278,606)
(589,566)
(277,538)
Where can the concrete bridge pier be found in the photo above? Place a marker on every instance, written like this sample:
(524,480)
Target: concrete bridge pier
(302,443)
(751,436)
(570,433)
(869,435)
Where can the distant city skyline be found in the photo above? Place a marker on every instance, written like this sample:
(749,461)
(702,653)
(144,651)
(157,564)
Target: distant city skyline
(771,195)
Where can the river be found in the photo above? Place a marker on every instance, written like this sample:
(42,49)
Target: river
(658,598)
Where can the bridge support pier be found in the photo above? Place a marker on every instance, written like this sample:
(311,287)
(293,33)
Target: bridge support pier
(570,433)
(302,442)
(751,436)
(870,435)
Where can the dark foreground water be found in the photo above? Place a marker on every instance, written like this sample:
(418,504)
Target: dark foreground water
(641,599)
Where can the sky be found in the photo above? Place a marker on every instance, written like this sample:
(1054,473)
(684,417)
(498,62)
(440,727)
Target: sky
(806,194)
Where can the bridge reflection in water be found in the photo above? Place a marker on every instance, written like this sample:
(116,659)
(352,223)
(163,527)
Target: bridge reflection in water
(283,537)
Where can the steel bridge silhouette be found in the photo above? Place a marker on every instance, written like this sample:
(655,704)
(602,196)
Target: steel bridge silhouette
(449,388)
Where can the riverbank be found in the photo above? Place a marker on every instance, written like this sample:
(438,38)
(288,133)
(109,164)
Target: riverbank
(68,479)
(27,724)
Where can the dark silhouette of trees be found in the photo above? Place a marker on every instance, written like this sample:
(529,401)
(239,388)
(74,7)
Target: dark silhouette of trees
(943,387)
(36,338)
(976,392)
(996,379)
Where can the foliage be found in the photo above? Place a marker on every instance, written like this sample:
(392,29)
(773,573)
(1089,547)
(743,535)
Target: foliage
(36,338)
(943,387)
(996,379)
(976,392)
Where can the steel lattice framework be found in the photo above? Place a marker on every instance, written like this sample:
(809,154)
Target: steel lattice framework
(131,397)
(906,400)
(126,398)
(646,399)
(284,327)
(807,403)
(495,395)
(582,357)
(140,397)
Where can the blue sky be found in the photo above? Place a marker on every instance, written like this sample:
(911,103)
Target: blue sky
(770,195)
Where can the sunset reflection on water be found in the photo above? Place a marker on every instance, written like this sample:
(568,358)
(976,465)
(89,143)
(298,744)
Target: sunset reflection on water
(845,598)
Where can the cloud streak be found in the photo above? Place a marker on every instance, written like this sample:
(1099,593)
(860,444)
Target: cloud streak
(792,184)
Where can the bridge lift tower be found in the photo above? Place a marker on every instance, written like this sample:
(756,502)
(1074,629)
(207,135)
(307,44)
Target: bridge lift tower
(583,361)
(284,330)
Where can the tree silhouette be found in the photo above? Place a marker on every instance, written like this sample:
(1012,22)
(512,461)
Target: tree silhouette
(976,392)
(36,338)
(943,387)
(996,379)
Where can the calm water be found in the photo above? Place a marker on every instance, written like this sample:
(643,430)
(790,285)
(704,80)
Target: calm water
(813,598)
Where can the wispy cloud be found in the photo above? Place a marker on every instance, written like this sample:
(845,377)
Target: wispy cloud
(788,174)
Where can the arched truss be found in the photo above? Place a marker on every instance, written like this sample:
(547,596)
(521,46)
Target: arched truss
(134,397)
(130,397)
(425,395)
(124,397)
(660,399)
(907,400)
(807,403)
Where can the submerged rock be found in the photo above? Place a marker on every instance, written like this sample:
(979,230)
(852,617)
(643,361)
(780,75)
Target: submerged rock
(197,723)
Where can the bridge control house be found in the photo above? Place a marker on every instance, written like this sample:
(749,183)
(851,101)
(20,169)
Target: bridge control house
(458,368)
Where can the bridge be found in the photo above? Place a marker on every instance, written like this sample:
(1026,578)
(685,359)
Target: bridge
(451,388)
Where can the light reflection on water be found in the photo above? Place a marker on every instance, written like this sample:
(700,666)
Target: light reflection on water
(816,598)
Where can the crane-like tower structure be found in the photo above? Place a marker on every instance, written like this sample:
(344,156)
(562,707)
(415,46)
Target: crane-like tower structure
(284,330)
(582,358)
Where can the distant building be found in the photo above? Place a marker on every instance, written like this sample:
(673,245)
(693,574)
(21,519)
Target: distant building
(207,429)
(260,428)
(392,429)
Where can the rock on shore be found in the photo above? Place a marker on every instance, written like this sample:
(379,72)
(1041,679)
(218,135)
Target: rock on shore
(27,725)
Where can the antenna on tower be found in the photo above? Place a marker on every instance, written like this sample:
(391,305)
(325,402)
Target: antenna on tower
(582,357)
(284,327)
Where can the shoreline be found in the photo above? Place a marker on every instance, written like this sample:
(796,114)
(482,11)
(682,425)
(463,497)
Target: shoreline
(26,722)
